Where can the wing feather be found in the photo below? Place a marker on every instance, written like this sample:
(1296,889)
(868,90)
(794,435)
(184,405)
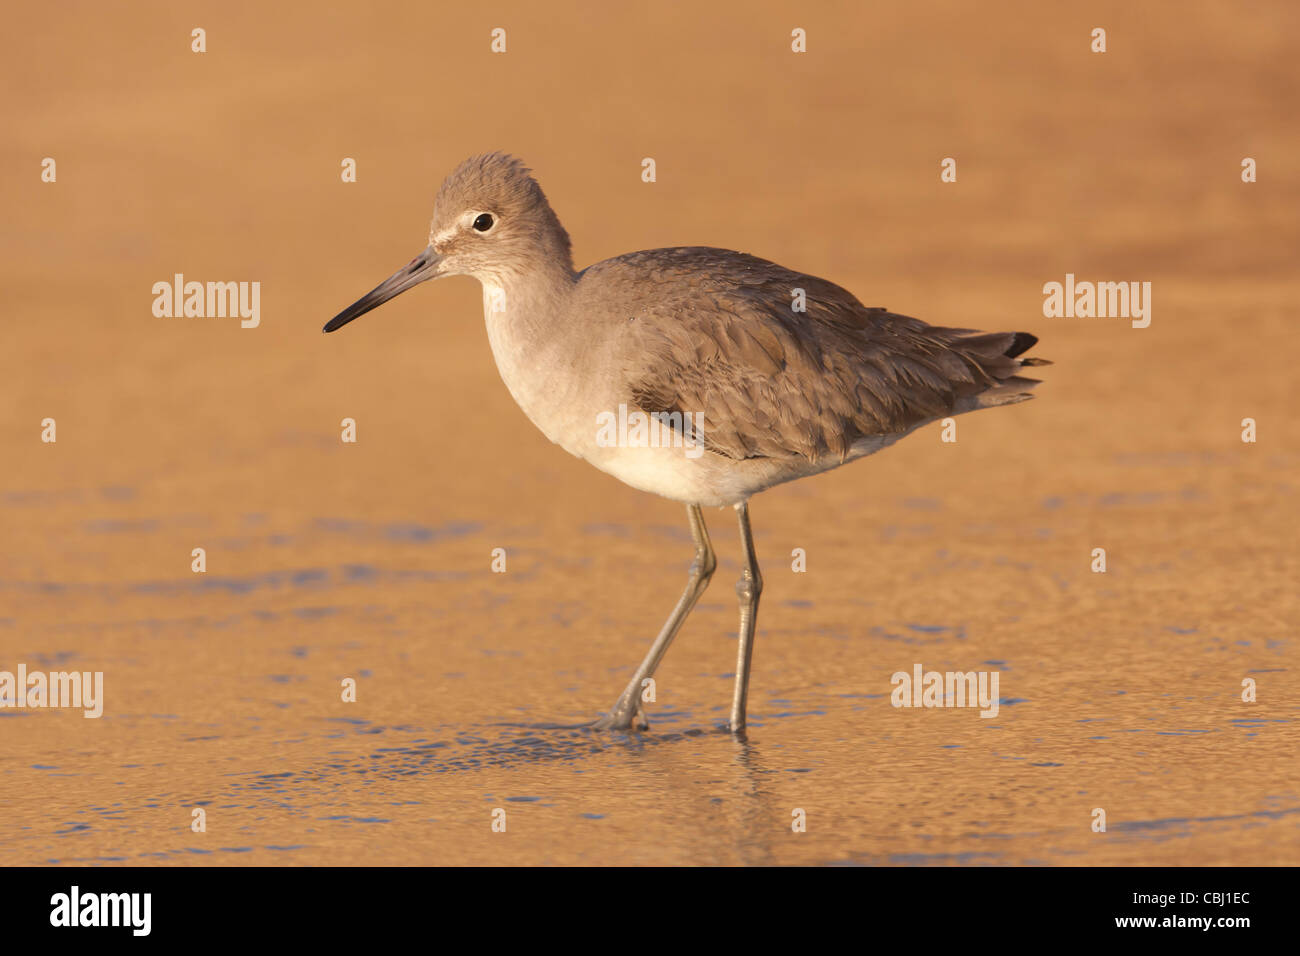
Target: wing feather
(771,382)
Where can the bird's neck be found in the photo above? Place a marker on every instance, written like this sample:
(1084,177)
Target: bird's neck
(527,302)
(528,324)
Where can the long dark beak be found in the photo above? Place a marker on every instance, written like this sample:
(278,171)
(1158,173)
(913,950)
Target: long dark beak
(422,267)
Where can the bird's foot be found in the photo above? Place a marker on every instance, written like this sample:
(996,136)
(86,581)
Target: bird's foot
(626,715)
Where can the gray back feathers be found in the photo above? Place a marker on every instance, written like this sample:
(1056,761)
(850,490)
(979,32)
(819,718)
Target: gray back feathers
(713,331)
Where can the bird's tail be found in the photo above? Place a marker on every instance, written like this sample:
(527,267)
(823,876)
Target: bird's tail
(1000,356)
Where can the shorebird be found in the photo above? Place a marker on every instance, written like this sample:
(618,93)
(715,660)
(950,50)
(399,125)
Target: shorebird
(726,374)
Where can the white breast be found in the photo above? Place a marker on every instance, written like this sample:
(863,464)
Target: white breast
(523,358)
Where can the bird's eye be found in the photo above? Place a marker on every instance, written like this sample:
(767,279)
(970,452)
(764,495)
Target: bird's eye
(484,222)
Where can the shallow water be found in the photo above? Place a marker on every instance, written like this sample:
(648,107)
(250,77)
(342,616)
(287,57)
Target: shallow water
(1119,691)
(224,693)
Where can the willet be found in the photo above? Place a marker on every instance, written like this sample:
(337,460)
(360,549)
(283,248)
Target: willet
(726,374)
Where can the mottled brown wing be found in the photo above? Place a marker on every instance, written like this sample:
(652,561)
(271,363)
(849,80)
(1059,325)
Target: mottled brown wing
(773,382)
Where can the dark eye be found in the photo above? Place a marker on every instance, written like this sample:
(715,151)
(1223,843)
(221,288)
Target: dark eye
(484,222)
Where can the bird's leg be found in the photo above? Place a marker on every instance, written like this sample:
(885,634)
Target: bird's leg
(627,710)
(748,588)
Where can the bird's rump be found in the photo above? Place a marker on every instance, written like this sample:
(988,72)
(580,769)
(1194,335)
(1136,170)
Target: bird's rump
(725,344)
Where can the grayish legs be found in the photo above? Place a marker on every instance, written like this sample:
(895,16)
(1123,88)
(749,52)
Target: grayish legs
(748,588)
(627,709)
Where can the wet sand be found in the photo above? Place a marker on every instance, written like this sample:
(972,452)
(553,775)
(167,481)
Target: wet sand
(325,561)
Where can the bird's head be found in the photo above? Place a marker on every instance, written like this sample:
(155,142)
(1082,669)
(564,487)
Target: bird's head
(491,221)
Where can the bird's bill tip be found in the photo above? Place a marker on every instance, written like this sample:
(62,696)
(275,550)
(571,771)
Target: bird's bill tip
(421,268)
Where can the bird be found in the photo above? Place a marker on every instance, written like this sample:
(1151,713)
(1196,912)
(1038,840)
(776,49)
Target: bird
(699,374)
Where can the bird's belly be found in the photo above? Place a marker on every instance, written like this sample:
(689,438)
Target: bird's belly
(660,463)
(587,426)
(707,478)
(590,419)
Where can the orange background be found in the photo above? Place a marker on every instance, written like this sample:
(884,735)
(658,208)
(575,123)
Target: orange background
(372,560)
